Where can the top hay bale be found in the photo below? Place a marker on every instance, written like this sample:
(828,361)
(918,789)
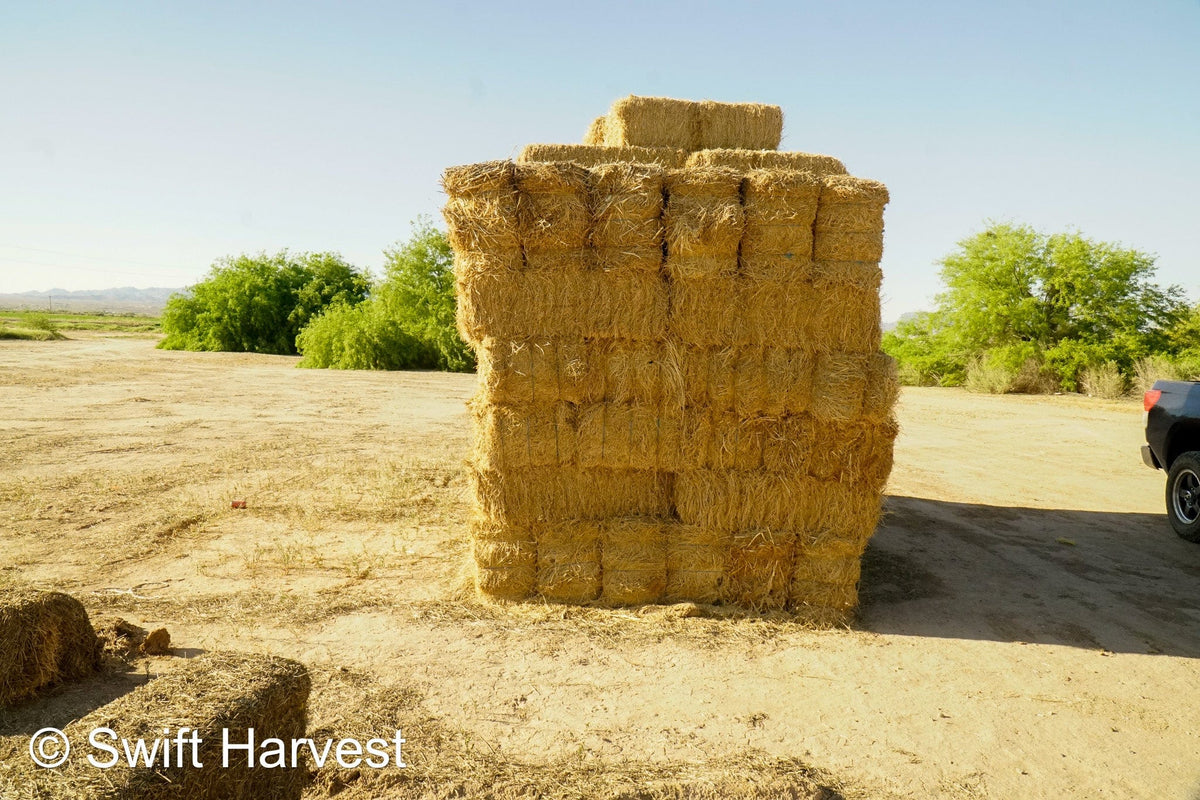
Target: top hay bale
(688,125)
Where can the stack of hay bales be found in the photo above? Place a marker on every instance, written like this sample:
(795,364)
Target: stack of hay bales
(681,390)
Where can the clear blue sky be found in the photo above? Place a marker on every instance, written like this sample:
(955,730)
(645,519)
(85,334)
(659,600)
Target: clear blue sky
(140,141)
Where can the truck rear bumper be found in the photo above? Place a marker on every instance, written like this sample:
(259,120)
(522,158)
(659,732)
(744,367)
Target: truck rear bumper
(1148,457)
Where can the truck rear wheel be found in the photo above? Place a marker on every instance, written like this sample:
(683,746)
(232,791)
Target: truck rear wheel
(1183,495)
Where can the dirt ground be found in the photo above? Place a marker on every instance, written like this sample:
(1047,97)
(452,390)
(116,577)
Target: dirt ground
(1030,624)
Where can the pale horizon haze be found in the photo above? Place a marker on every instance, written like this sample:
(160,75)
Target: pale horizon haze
(139,142)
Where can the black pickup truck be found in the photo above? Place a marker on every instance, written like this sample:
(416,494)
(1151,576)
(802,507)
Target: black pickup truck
(1173,444)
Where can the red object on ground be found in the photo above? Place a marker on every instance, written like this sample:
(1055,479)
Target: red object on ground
(239,504)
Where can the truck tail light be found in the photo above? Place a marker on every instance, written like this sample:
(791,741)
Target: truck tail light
(1150,399)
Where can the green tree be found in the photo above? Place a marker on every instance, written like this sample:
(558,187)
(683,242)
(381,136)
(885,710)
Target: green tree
(1060,302)
(408,323)
(259,303)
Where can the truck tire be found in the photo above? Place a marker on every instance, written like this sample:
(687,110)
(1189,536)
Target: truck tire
(1183,495)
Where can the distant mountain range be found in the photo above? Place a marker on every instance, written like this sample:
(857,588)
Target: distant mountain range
(126,300)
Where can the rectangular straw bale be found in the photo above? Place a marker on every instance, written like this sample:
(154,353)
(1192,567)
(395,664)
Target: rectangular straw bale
(883,388)
(849,221)
(839,386)
(511,437)
(653,122)
(568,565)
(746,160)
(591,155)
(482,209)
(649,374)
(804,595)
(752,126)
(553,212)
(777,313)
(848,311)
(537,372)
(627,208)
(703,222)
(46,639)
(759,572)
(620,436)
(750,380)
(546,303)
(696,563)
(705,312)
(791,443)
(728,441)
(840,518)
(595,133)
(505,559)
(780,206)
(216,695)
(731,500)
(633,559)
(533,495)
(842,451)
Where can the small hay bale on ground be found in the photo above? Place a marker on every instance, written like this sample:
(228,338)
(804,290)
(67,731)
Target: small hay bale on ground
(46,639)
(594,154)
(746,160)
(209,694)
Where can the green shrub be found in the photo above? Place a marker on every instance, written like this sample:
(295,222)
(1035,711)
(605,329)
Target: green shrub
(39,322)
(408,323)
(987,375)
(1148,369)
(259,303)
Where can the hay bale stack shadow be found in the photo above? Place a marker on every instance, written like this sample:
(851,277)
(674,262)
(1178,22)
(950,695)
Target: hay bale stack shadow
(46,639)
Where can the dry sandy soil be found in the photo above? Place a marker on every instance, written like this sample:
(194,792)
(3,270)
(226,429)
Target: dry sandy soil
(1030,624)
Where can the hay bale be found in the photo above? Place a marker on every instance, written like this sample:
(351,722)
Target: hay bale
(620,436)
(847,312)
(780,206)
(595,132)
(746,160)
(210,694)
(760,568)
(727,441)
(703,223)
(731,500)
(505,559)
(696,563)
(883,388)
(839,518)
(849,221)
(633,558)
(777,313)
(752,126)
(593,154)
(513,437)
(482,211)
(568,561)
(653,122)
(553,213)
(627,208)
(750,380)
(46,639)
(703,311)
(839,386)
(548,303)
(649,374)
(530,496)
(841,597)
(535,372)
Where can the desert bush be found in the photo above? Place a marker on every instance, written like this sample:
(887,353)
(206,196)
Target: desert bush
(1103,380)
(259,303)
(1076,303)
(408,323)
(40,322)
(1148,369)
(988,376)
